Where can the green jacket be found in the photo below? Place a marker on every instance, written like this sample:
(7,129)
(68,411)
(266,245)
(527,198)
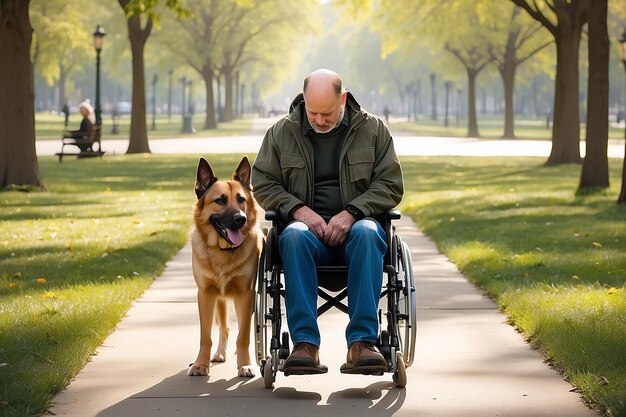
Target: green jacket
(370,176)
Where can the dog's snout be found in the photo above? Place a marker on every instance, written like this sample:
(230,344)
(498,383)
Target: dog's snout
(240,219)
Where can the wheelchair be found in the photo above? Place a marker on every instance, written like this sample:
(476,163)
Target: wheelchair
(397,314)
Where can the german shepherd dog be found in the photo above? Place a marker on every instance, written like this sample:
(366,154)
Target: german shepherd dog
(226,245)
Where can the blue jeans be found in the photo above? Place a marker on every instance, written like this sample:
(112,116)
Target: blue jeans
(362,252)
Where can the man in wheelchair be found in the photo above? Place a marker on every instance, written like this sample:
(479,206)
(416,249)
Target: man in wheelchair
(330,169)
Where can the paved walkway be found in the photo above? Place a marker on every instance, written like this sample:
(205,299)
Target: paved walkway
(405,143)
(469,361)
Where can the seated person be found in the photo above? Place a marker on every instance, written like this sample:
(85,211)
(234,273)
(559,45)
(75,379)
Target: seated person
(330,169)
(86,127)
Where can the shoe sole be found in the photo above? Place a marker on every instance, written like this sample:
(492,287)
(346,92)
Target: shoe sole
(376,370)
(304,370)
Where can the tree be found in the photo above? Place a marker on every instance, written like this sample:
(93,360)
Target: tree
(18,157)
(564,19)
(595,171)
(138,33)
(221,37)
(61,40)
(522,40)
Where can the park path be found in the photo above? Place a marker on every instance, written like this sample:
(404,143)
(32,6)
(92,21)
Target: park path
(468,362)
(405,143)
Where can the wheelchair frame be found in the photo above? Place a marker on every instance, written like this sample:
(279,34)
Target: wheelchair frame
(396,340)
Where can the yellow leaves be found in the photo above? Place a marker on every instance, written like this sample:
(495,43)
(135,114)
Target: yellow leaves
(50,295)
(614,291)
(41,281)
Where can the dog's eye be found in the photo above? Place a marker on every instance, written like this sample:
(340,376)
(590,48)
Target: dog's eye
(241,199)
(221,200)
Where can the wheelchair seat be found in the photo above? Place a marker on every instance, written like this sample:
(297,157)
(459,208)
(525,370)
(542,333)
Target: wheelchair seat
(397,317)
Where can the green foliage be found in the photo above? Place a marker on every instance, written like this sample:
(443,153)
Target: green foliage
(552,260)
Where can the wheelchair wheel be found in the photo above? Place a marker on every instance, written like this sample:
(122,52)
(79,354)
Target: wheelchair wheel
(407,304)
(399,377)
(268,373)
(262,301)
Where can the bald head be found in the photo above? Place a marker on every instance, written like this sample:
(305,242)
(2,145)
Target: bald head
(323,79)
(324,99)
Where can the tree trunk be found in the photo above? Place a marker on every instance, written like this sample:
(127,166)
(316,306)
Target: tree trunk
(138,36)
(433,105)
(209,120)
(228,94)
(62,79)
(595,172)
(18,157)
(472,121)
(507,72)
(566,122)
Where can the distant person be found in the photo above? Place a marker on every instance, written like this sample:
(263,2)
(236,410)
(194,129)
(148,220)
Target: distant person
(386,112)
(86,125)
(66,112)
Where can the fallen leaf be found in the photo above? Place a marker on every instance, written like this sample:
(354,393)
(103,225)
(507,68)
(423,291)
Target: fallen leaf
(604,381)
(596,245)
(49,295)
(41,280)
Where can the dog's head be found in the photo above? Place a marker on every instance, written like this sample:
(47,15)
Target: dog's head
(225,210)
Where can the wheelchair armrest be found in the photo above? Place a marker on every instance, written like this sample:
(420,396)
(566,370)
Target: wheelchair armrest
(394,214)
(272,215)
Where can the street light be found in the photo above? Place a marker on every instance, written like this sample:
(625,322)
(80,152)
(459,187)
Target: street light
(98,39)
(622,41)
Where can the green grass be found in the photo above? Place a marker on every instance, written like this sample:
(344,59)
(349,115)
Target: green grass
(49,127)
(555,262)
(490,127)
(72,260)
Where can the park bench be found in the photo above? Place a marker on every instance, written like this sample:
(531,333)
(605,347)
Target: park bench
(93,139)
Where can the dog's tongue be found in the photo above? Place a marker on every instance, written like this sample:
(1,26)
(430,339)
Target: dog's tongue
(235,236)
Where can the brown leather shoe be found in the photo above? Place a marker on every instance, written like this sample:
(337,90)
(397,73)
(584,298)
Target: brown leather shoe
(364,358)
(304,360)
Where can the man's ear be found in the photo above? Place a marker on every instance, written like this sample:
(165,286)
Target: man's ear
(204,178)
(243,173)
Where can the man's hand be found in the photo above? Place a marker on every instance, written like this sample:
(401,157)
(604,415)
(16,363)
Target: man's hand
(314,221)
(338,228)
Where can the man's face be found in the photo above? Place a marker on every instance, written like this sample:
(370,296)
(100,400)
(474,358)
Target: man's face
(324,110)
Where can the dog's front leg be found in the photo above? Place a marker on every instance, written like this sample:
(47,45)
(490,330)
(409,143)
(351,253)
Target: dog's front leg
(206,310)
(244,307)
(222,313)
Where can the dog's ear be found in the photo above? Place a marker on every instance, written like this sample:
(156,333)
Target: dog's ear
(243,173)
(204,178)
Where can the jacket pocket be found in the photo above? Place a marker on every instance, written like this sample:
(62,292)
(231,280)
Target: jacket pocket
(294,173)
(360,164)
(291,160)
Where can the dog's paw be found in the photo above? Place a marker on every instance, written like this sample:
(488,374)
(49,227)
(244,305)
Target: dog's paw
(219,357)
(198,369)
(246,371)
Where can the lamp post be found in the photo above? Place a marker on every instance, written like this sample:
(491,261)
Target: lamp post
(98,39)
(155,78)
(622,41)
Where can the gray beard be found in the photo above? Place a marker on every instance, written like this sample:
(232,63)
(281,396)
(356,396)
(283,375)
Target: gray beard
(337,123)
